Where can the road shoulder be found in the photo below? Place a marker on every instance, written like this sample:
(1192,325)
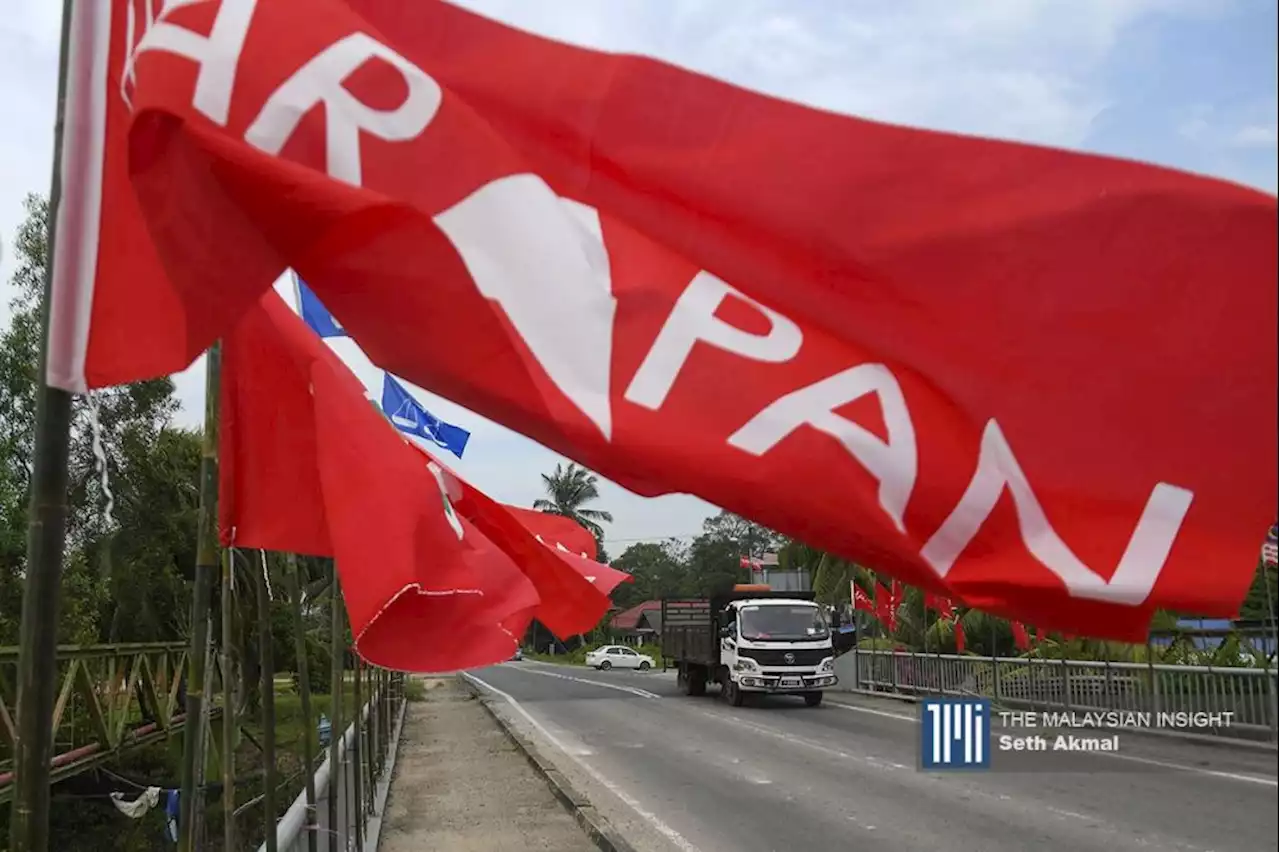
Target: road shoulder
(596,826)
(462,784)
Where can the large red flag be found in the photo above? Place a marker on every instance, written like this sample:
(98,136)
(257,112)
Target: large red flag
(308,466)
(992,370)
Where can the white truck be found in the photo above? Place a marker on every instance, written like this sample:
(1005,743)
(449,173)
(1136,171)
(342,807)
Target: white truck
(751,641)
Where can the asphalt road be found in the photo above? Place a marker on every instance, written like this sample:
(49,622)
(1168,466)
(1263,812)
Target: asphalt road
(673,772)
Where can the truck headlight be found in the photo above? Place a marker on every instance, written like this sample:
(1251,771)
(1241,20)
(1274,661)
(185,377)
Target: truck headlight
(828,665)
(745,664)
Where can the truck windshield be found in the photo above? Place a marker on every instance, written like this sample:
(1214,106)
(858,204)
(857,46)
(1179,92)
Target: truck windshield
(783,622)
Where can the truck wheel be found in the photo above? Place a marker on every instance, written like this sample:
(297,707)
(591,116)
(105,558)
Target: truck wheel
(605,666)
(812,699)
(733,694)
(695,682)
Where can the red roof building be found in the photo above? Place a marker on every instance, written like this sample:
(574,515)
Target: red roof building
(641,621)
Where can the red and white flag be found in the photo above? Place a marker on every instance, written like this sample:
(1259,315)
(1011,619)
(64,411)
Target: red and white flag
(573,544)
(940,604)
(947,611)
(308,466)
(992,370)
(860,598)
(888,602)
(557,531)
(573,589)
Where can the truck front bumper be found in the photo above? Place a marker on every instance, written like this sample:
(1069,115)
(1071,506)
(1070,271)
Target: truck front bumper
(771,682)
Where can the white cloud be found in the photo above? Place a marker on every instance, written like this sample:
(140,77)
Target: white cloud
(1021,69)
(1255,136)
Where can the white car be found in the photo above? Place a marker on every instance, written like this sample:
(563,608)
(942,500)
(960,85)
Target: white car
(618,656)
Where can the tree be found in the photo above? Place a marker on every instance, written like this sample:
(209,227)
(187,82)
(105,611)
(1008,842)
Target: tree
(829,574)
(1263,599)
(657,571)
(117,430)
(751,539)
(569,489)
(146,559)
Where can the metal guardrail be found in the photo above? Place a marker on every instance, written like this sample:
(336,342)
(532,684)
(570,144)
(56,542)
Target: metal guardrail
(359,787)
(1080,686)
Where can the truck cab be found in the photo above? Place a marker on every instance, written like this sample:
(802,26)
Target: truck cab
(751,641)
(779,646)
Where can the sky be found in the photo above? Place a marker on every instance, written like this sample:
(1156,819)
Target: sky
(1184,83)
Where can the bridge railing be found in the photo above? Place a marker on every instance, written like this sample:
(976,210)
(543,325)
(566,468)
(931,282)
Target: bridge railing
(351,798)
(111,697)
(1249,694)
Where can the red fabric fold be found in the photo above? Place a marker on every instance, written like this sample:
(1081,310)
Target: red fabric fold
(308,466)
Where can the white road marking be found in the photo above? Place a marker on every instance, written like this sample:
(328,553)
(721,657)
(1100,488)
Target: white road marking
(571,750)
(643,693)
(885,713)
(1164,764)
(800,741)
(1200,770)
(676,838)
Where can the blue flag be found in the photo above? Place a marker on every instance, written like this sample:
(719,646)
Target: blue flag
(315,314)
(410,417)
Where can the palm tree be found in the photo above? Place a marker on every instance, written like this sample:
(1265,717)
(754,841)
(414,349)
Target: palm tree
(568,490)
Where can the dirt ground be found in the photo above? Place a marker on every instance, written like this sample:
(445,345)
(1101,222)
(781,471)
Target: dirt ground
(461,786)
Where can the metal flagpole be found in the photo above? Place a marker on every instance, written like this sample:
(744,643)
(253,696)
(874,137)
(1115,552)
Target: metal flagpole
(46,538)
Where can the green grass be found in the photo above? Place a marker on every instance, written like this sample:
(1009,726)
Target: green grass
(414,690)
(289,727)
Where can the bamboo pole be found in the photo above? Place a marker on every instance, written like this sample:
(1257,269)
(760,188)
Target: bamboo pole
(267,665)
(357,755)
(206,563)
(46,538)
(375,733)
(304,689)
(206,734)
(228,714)
(336,644)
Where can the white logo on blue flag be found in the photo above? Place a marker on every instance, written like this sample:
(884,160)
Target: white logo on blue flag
(315,314)
(408,415)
